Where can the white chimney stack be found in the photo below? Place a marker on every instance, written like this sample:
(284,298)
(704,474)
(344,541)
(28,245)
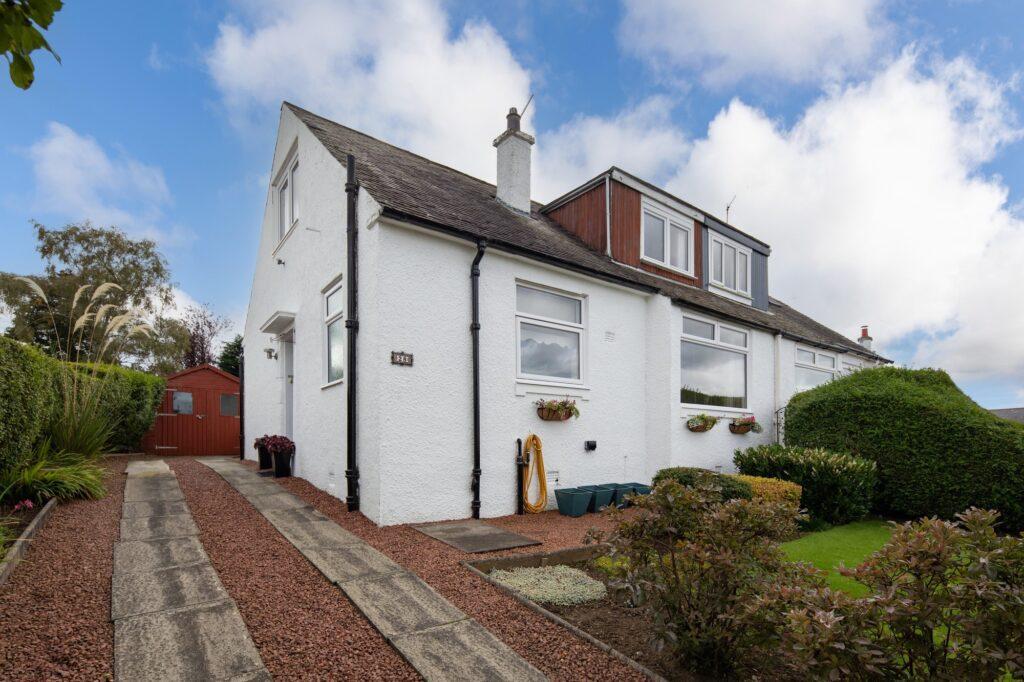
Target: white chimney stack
(864,339)
(514,165)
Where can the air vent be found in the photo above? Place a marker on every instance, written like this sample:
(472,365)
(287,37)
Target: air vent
(609,337)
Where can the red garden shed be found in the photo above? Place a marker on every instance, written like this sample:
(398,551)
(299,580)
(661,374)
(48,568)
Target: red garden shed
(199,415)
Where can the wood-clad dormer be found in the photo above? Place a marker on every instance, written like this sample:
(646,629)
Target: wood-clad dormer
(641,226)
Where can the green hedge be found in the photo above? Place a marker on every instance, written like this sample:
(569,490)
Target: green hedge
(836,488)
(732,487)
(27,399)
(30,385)
(937,451)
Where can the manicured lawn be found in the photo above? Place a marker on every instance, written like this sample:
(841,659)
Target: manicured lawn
(848,545)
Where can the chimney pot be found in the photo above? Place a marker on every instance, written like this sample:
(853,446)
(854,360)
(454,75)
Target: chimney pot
(513,145)
(865,340)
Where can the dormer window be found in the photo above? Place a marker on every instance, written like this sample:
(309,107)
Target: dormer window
(667,239)
(730,265)
(287,209)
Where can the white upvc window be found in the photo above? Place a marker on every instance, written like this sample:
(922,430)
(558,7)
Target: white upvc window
(666,238)
(730,265)
(550,335)
(287,208)
(850,366)
(713,364)
(813,368)
(334,335)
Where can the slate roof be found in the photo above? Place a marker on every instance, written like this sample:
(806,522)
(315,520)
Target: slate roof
(415,189)
(1013,413)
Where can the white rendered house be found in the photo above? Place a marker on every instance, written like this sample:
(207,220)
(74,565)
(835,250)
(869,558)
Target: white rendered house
(359,344)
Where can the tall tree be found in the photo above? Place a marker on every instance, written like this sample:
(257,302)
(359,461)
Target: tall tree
(230,355)
(203,326)
(22,23)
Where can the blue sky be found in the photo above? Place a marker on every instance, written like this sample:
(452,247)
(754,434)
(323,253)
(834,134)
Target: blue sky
(875,145)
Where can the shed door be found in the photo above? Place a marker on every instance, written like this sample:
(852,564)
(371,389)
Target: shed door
(222,422)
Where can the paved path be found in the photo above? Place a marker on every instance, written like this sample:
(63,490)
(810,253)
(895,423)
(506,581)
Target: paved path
(173,620)
(440,641)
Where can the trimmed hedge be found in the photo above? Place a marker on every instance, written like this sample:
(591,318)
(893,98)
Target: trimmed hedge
(27,399)
(732,487)
(836,488)
(773,489)
(30,392)
(937,451)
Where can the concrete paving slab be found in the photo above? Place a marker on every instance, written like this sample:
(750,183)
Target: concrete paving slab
(306,527)
(258,487)
(341,564)
(276,501)
(475,536)
(147,591)
(153,467)
(158,527)
(154,508)
(150,555)
(464,650)
(204,642)
(151,488)
(400,603)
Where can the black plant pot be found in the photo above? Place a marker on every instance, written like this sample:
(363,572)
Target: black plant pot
(265,460)
(282,465)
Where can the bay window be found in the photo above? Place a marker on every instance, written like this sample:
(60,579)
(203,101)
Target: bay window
(713,364)
(667,239)
(550,332)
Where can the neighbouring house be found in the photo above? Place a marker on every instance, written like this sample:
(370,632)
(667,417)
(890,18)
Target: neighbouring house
(199,415)
(405,317)
(1012,413)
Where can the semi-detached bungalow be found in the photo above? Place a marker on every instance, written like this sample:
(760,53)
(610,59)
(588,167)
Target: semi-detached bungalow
(405,317)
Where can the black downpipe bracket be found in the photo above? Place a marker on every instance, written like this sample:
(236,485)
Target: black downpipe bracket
(352,325)
(474,328)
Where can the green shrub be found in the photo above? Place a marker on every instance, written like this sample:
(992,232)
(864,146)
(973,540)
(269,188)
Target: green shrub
(773,489)
(836,488)
(696,561)
(945,604)
(731,487)
(937,451)
(132,398)
(27,399)
(50,474)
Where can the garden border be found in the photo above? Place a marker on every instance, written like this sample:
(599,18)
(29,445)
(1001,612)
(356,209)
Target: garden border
(544,559)
(20,547)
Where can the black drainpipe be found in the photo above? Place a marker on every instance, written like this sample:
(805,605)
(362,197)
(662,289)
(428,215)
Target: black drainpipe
(474,328)
(352,325)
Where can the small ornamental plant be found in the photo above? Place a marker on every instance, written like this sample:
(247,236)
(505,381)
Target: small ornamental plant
(260,442)
(701,423)
(279,445)
(745,425)
(557,410)
(24,505)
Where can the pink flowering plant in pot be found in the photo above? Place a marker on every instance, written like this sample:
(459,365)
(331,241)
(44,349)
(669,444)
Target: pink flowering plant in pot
(281,448)
(745,425)
(265,459)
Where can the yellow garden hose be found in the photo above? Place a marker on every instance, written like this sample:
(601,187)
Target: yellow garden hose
(536,465)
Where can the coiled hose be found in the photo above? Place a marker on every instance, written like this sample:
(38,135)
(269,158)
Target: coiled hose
(533,444)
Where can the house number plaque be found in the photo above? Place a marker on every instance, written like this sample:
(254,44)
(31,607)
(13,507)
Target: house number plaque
(400,357)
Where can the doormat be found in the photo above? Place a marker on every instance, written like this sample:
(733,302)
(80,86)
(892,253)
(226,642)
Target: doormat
(475,536)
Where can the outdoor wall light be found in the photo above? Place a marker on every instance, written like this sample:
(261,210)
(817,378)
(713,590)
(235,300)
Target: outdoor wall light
(271,353)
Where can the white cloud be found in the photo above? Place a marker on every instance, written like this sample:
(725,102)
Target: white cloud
(77,179)
(155,59)
(392,69)
(641,139)
(793,40)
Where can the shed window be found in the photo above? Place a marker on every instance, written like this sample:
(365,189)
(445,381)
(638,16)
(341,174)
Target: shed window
(550,331)
(229,404)
(181,402)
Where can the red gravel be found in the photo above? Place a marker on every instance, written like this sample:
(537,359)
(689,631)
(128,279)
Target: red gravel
(55,609)
(551,648)
(303,626)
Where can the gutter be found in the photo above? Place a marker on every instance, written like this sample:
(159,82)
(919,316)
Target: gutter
(474,330)
(352,326)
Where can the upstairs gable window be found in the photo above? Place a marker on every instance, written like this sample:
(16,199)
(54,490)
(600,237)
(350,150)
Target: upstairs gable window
(667,239)
(287,186)
(730,265)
